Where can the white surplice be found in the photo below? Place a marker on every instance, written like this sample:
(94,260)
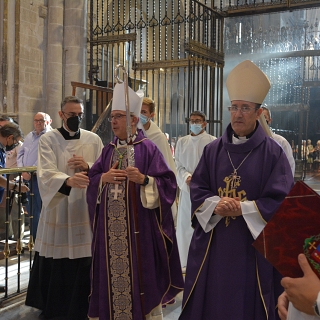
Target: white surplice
(187,156)
(287,149)
(64,227)
(160,140)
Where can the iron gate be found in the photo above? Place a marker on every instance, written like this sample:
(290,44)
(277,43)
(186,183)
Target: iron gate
(173,50)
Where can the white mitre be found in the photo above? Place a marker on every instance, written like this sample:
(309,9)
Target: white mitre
(119,102)
(247,82)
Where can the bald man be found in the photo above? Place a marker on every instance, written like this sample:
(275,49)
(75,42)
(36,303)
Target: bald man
(28,156)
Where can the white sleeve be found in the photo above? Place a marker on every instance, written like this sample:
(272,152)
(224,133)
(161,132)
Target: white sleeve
(252,217)
(204,214)
(250,214)
(149,194)
(294,314)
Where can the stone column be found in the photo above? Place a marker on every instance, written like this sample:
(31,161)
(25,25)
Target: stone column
(54,89)
(2,53)
(75,44)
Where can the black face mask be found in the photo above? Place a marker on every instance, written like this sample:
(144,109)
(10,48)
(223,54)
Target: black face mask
(9,148)
(73,123)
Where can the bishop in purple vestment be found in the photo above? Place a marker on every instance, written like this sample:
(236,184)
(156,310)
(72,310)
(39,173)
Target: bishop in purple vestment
(239,183)
(115,291)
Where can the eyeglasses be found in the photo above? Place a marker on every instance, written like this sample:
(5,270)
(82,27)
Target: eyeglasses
(198,121)
(243,109)
(116,117)
(40,121)
(73,114)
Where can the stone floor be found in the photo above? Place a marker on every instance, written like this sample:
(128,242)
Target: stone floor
(18,311)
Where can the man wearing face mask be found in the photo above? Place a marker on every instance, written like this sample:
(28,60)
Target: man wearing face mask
(11,155)
(60,277)
(187,155)
(154,133)
(10,135)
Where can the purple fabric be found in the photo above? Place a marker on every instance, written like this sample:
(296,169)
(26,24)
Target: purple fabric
(221,281)
(161,270)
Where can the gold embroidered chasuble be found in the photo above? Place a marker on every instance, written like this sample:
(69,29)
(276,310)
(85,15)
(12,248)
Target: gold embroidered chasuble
(119,245)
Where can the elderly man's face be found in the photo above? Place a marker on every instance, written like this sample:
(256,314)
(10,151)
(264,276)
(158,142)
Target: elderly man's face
(243,123)
(39,122)
(119,123)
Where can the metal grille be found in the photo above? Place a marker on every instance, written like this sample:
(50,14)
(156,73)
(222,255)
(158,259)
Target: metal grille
(16,256)
(286,47)
(173,50)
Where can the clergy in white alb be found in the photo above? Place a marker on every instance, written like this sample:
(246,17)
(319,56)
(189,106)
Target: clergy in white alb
(281,140)
(154,133)
(60,277)
(187,155)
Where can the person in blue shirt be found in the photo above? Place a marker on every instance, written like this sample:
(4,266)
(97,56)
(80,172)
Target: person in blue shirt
(28,157)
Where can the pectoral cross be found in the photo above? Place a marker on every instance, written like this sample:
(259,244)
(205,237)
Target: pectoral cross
(116,191)
(234,180)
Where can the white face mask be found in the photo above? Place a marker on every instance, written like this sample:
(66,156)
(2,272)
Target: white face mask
(143,119)
(196,128)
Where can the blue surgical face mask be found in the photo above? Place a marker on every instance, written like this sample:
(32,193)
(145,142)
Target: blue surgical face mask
(143,119)
(196,128)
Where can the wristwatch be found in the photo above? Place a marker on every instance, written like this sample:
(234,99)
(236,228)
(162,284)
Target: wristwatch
(316,309)
(146,180)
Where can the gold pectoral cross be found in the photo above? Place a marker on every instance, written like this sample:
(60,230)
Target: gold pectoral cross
(234,180)
(232,183)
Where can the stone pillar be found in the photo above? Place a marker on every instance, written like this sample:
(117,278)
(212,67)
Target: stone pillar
(2,61)
(75,44)
(54,89)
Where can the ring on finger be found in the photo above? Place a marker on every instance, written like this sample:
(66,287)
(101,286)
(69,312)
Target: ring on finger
(115,178)
(225,202)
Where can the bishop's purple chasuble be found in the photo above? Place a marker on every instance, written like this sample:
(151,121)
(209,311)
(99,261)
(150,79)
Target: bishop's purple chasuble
(226,277)
(115,292)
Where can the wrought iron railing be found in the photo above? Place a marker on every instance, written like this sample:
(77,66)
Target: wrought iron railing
(9,287)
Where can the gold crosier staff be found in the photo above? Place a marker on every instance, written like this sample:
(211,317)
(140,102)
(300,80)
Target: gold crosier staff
(132,187)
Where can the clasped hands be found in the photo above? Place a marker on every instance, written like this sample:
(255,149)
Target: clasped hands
(228,207)
(80,179)
(116,176)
